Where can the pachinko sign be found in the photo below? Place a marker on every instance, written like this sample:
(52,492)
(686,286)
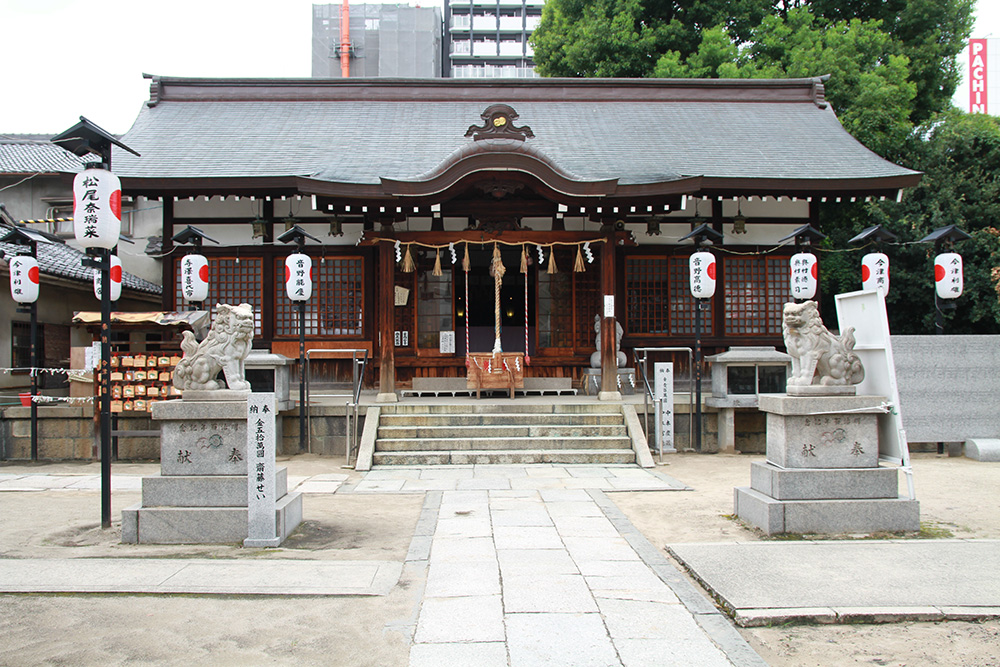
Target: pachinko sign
(977,76)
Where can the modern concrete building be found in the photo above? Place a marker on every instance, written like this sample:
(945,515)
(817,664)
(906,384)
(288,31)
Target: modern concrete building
(385,40)
(489,38)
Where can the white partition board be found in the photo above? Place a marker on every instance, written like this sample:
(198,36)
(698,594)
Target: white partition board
(865,311)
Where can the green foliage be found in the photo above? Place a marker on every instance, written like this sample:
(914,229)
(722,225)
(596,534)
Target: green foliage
(960,157)
(605,38)
(893,62)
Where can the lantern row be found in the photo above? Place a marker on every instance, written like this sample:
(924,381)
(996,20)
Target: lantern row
(804,274)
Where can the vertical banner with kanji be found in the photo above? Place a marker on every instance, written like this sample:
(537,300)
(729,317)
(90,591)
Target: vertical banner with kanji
(261,487)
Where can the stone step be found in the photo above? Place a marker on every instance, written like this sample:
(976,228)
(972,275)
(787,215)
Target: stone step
(845,515)
(500,419)
(465,444)
(202,525)
(502,431)
(203,490)
(506,406)
(507,457)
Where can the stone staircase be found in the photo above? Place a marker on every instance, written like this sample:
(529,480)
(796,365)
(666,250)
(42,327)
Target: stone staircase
(505,432)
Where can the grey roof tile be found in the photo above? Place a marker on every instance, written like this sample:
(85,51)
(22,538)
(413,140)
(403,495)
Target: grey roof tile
(63,261)
(33,153)
(362,140)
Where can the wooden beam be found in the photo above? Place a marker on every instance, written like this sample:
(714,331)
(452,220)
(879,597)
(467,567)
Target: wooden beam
(512,237)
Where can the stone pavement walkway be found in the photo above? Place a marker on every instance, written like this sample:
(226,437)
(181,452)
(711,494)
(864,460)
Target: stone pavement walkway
(524,566)
(533,566)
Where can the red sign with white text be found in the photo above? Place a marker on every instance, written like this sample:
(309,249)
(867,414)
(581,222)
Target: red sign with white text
(977,76)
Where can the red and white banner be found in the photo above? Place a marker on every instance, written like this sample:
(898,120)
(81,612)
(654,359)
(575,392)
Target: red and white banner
(298,276)
(949,280)
(116,279)
(804,275)
(194,278)
(24,279)
(701,267)
(97,208)
(977,76)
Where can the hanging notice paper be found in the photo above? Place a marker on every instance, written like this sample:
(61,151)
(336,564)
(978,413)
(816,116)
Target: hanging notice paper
(609,305)
(447,342)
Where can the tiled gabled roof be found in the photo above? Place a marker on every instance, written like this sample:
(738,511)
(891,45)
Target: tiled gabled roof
(338,134)
(34,153)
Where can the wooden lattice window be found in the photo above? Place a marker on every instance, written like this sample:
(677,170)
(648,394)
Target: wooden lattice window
(231,280)
(20,344)
(756,289)
(434,302)
(337,304)
(567,303)
(659,297)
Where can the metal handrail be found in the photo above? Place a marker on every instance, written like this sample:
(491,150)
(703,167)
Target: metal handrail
(357,377)
(641,356)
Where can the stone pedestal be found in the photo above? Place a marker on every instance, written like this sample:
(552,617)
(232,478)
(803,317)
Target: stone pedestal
(201,494)
(592,381)
(822,473)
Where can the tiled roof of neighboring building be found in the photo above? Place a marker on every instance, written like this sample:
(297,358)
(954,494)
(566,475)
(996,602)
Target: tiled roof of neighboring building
(64,261)
(33,154)
(358,132)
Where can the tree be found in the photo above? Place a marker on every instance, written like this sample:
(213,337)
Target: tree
(604,38)
(869,87)
(960,157)
(639,38)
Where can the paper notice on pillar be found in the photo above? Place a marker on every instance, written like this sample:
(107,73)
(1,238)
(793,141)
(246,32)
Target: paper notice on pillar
(609,305)
(92,357)
(261,487)
(402,295)
(447,342)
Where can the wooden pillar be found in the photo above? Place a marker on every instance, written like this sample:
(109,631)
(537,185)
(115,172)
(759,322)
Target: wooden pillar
(386,323)
(609,360)
(169,275)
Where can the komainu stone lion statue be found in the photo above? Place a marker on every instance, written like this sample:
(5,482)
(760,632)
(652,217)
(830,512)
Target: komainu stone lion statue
(818,357)
(224,349)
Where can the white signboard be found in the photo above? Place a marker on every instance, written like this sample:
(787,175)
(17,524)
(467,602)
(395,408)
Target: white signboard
(609,305)
(865,311)
(261,486)
(447,342)
(663,392)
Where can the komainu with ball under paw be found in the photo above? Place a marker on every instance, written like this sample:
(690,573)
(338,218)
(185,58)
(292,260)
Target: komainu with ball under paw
(224,349)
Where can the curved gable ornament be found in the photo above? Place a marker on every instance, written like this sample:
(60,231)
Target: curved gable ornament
(498,123)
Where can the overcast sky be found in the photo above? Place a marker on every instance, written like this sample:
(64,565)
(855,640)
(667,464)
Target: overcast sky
(65,58)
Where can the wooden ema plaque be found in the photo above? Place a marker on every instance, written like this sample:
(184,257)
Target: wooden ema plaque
(504,370)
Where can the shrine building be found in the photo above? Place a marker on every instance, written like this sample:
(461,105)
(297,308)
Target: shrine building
(582,194)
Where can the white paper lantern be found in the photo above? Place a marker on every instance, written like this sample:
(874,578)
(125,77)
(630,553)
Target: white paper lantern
(97,208)
(948,278)
(875,272)
(298,276)
(194,278)
(701,266)
(24,279)
(804,275)
(116,279)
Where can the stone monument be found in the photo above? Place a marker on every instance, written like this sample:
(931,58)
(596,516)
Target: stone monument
(201,494)
(822,473)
